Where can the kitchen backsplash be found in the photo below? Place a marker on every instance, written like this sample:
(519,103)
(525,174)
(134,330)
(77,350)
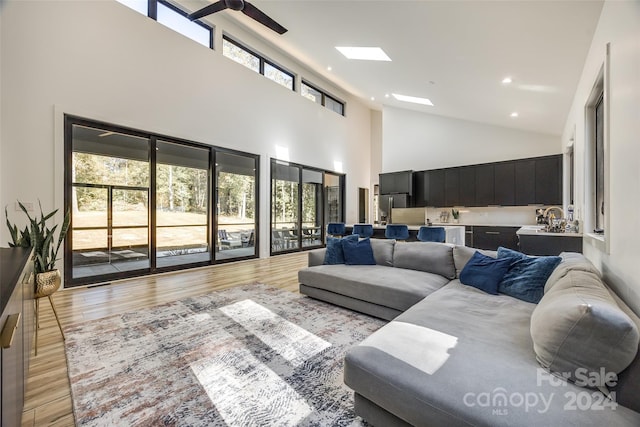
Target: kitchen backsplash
(507,215)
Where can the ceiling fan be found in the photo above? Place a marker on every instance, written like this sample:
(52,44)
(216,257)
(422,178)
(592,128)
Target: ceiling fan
(243,6)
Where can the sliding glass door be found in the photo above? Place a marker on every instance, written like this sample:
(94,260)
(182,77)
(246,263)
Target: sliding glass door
(142,203)
(333,197)
(109,202)
(312,227)
(182,204)
(285,207)
(303,201)
(236,206)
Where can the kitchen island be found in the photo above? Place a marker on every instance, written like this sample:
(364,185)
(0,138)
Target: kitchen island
(453,233)
(534,240)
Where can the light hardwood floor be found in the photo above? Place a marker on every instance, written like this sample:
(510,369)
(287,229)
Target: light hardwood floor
(48,398)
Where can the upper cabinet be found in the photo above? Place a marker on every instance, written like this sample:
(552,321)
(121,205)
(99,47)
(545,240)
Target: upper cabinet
(420,188)
(452,187)
(549,180)
(504,192)
(485,185)
(396,182)
(436,196)
(525,180)
(513,183)
(467,187)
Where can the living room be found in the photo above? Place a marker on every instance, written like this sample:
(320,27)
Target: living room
(102,61)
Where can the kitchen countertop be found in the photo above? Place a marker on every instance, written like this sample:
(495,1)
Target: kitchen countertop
(537,230)
(413,227)
(479,224)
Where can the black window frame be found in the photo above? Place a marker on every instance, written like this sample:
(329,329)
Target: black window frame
(325,96)
(71,120)
(599,162)
(153,14)
(262,61)
(322,212)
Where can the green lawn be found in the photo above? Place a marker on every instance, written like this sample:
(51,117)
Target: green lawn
(191,231)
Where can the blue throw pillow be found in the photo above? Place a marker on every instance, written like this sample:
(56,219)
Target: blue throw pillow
(358,252)
(334,253)
(484,272)
(527,275)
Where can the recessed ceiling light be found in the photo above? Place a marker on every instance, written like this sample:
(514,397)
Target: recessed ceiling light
(413,99)
(365,53)
(373,98)
(329,68)
(507,80)
(386,95)
(514,114)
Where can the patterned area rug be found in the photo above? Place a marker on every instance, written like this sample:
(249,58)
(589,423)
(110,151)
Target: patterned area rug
(247,356)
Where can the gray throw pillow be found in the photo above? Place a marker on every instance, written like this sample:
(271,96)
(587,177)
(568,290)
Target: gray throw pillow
(579,330)
(383,251)
(431,257)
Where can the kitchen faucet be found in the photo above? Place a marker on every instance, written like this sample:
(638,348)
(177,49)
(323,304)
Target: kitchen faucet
(554,224)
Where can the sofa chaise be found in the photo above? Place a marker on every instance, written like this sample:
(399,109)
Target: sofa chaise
(453,355)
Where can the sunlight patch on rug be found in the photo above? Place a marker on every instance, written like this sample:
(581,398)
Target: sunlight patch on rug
(290,341)
(251,355)
(267,398)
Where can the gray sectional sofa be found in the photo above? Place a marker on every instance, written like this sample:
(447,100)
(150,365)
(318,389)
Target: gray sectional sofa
(453,355)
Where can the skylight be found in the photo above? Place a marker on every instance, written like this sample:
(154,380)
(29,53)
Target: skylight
(363,53)
(413,99)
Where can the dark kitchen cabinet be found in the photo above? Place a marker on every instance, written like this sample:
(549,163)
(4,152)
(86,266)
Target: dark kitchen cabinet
(548,175)
(452,187)
(436,188)
(504,190)
(484,185)
(549,245)
(420,189)
(513,183)
(467,186)
(396,182)
(489,237)
(525,182)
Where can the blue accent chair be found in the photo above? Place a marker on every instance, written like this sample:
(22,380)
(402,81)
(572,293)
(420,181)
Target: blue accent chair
(431,234)
(397,231)
(336,229)
(363,230)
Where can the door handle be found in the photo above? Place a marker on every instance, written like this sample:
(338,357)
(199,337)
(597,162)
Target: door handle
(9,330)
(491,232)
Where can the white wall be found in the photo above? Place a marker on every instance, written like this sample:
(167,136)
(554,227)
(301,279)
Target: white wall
(418,141)
(103,61)
(619,25)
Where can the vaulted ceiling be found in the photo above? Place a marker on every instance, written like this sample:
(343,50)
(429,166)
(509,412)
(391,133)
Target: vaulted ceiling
(456,53)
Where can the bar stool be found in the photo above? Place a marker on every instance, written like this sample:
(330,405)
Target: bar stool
(363,230)
(336,229)
(397,231)
(432,234)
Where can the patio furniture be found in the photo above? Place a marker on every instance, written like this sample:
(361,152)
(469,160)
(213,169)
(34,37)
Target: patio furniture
(227,241)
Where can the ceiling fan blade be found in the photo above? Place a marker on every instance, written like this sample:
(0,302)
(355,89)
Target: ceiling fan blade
(255,13)
(208,10)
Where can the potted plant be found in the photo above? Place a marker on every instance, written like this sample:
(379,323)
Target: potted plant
(45,246)
(456,214)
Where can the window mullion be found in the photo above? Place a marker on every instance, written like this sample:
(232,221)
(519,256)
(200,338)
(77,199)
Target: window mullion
(153,9)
